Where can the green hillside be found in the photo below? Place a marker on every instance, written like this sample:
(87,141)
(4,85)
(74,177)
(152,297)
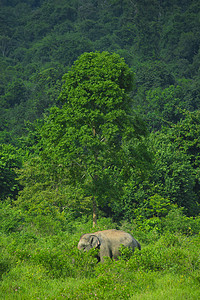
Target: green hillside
(99,129)
(40,40)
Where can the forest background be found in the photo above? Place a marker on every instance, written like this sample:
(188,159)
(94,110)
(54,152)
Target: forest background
(46,204)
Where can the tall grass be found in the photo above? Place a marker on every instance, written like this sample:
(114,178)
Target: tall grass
(38,264)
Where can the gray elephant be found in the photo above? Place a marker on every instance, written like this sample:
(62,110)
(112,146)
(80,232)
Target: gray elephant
(108,241)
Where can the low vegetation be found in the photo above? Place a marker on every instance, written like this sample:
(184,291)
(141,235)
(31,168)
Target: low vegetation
(37,264)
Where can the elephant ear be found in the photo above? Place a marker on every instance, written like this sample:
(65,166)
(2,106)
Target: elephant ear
(94,241)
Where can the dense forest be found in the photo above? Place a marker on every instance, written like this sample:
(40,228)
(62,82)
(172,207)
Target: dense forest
(99,126)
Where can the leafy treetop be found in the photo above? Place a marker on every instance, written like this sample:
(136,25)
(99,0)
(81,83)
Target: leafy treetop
(94,133)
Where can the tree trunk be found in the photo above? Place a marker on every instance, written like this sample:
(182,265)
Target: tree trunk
(94,212)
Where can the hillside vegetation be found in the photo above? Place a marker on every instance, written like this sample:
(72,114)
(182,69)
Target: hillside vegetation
(99,127)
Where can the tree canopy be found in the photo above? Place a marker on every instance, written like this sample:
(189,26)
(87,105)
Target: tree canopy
(10,161)
(95,133)
(130,67)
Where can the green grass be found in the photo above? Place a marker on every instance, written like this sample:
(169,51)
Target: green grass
(35,265)
(29,282)
(170,286)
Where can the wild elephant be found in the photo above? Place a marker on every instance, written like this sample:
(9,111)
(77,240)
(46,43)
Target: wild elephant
(108,241)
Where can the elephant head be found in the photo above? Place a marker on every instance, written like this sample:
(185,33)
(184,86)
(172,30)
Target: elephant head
(88,241)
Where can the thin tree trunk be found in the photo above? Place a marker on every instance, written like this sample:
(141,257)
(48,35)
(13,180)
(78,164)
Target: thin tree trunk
(93,198)
(94,212)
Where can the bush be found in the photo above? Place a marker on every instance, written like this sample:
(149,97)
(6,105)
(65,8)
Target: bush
(39,265)
(11,219)
(177,222)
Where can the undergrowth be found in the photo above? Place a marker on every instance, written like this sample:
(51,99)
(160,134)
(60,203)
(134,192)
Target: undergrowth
(39,265)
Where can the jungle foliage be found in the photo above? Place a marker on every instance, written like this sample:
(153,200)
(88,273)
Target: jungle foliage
(99,113)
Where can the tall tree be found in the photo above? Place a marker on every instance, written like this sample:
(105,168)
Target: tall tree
(186,137)
(10,161)
(94,134)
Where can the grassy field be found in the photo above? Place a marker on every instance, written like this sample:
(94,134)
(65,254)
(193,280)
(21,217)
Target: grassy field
(39,265)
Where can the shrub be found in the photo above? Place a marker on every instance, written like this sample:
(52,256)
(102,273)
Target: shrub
(11,219)
(176,221)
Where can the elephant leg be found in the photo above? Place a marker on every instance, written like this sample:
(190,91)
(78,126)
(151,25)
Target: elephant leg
(105,252)
(115,254)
